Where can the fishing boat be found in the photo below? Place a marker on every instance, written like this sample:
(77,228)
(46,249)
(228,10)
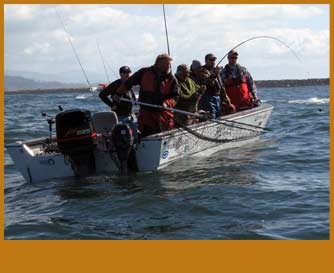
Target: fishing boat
(97,144)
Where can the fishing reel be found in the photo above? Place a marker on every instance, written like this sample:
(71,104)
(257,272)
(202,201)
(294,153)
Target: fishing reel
(50,120)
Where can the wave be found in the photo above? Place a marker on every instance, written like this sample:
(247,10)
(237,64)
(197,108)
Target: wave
(313,100)
(82,97)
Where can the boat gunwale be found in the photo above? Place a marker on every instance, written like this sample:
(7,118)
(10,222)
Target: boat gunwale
(176,132)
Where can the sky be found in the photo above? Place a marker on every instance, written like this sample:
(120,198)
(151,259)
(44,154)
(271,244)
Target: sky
(134,35)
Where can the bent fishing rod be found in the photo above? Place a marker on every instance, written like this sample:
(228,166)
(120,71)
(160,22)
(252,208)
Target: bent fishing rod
(224,121)
(75,52)
(261,37)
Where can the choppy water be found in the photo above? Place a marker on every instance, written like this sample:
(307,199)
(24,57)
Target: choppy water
(277,188)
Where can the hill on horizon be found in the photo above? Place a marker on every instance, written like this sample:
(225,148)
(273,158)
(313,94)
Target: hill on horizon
(13,83)
(68,77)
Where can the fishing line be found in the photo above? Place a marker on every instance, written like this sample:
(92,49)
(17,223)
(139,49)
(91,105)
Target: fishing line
(111,69)
(260,37)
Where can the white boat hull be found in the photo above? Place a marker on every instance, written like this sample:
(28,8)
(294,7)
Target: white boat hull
(153,152)
(179,143)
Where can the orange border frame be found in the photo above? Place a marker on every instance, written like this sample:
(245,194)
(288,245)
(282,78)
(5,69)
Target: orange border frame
(163,256)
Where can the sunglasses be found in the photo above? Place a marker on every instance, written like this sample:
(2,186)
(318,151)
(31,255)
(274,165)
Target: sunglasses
(233,58)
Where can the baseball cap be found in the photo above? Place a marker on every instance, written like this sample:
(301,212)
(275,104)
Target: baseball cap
(195,65)
(163,56)
(125,69)
(210,56)
(182,67)
(232,52)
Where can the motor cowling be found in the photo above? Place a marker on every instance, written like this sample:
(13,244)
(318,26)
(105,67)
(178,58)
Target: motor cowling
(76,138)
(123,140)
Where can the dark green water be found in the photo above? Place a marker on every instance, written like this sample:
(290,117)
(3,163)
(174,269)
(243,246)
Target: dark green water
(277,188)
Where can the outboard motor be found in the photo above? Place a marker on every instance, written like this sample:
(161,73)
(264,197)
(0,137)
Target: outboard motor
(122,138)
(76,138)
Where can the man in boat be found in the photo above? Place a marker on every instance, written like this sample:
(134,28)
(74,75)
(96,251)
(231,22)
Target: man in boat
(157,87)
(189,94)
(123,109)
(210,64)
(195,68)
(239,84)
(214,100)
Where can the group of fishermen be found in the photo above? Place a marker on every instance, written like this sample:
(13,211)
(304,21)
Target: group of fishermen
(207,89)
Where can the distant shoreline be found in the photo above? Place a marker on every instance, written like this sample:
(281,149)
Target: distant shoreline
(259,84)
(291,83)
(49,90)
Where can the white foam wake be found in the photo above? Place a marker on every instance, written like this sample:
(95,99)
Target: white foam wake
(313,100)
(82,97)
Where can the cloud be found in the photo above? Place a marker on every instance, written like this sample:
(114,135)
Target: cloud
(35,39)
(39,48)
(19,12)
(305,41)
(149,43)
(227,14)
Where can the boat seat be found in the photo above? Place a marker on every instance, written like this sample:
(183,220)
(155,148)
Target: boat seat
(105,121)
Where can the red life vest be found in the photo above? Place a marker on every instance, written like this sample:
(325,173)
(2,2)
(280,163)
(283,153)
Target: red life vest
(238,92)
(154,90)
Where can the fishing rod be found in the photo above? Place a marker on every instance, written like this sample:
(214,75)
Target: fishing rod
(104,65)
(195,115)
(163,8)
(260,37)
(111,69)
(75,52)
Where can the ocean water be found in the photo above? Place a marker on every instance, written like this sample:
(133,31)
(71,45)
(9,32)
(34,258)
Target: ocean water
(276,188)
